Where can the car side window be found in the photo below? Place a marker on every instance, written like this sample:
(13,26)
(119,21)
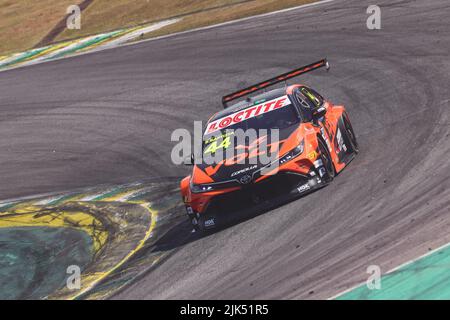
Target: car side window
(313,98)
(305,105)
(301,100)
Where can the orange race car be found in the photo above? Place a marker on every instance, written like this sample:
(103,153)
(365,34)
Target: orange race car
(312,140)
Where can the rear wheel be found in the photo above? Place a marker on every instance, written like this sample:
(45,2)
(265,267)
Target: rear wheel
(326,170)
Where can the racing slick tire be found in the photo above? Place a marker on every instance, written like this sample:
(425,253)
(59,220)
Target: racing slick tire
(327,162)
(348,134)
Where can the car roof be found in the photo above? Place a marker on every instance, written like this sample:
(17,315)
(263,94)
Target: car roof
(269,95)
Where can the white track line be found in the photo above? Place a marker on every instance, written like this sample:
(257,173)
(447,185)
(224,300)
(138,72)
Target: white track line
(97,195)
(303,6)
(28,198)
(134,34)
(120,41)
(5,204)
(47,201)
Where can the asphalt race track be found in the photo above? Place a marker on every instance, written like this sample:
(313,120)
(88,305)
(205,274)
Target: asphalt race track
(107,117)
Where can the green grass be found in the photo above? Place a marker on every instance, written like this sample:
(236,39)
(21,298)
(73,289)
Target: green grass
(24,23)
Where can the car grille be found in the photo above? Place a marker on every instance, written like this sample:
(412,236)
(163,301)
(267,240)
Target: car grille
(281,184)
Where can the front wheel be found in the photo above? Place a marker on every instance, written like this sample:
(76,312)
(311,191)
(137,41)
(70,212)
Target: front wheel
(349,135)
(326,167)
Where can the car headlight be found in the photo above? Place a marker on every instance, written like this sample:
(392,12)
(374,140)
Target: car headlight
(199,188)
(293,153)
(298,149)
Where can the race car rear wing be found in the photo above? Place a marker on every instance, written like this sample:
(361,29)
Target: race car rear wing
(281,78)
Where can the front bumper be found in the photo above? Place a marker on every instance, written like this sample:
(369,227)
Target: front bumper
(264,195)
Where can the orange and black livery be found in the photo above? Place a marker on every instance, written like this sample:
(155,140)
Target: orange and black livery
(314,141)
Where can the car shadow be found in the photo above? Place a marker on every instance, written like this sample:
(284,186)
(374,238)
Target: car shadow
(180,233)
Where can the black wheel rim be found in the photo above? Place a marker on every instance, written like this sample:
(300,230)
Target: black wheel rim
(350,133)
(324,156)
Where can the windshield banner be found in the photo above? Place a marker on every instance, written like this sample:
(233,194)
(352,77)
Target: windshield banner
(247,113)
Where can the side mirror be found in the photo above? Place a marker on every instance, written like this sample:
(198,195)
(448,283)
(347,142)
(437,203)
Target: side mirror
(189,161)
(319,113)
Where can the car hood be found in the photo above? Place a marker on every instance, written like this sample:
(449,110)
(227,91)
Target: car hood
(230,169)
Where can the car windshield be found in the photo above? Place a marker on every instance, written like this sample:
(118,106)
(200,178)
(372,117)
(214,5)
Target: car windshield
(277,119)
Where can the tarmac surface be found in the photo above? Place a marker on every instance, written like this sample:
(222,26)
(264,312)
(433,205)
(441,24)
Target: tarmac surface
(107,117)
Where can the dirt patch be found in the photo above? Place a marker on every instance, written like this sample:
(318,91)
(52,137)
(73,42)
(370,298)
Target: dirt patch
(24,23)
(60,26)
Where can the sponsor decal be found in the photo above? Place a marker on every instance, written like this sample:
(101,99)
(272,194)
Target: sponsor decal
(215,145)
(312,155)
(210,222)
(340,140)
(243,170)
(304,188)
(248,113)
(322,172)
(318,163)
(216,138)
